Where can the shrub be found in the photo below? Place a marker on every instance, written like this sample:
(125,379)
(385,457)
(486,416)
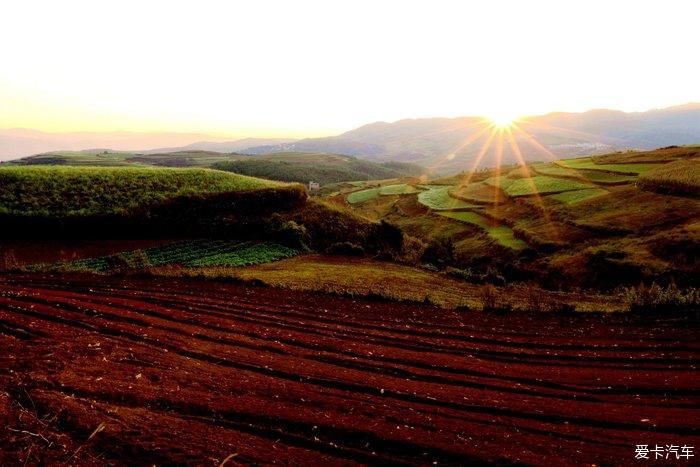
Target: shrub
(8,261)
(292,234)
(657,298)
(439,252)
(345,248)
(488,295)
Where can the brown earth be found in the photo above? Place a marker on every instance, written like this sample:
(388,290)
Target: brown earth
(107,371)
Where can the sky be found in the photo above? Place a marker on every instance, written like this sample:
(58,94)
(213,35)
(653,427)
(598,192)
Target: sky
(313,68)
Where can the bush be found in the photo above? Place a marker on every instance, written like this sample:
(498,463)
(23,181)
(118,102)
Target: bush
(488,295)
(439,252)
(292,234)
(8,261)
(537,300)
(346,249)
(658,298)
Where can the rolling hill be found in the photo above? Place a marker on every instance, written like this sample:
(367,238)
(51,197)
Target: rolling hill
(452,144)
(322,168)
(21,142)
(287,167)
(598,221)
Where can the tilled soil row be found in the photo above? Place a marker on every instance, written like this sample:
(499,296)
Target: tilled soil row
(133,371)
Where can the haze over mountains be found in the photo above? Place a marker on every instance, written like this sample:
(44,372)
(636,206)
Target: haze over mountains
(456,142)
(444,143)
(20,142)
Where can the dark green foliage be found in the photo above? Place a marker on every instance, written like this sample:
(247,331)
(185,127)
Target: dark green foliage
(656,298)
(345,249)
(440,252)
(187,253)
(324,170)
(96,191)
(288,232)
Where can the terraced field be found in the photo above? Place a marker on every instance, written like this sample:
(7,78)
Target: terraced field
(539,184)
(361,196)
(438,198)
(101,371)
(573,197)
(588,163)
(501,233)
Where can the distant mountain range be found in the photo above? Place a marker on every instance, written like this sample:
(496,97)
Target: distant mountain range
(445,144)
(454,143)
(20,142)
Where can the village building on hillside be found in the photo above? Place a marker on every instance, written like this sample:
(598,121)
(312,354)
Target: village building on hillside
(313,186)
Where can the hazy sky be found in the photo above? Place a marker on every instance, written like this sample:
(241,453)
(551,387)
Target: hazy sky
(296,68)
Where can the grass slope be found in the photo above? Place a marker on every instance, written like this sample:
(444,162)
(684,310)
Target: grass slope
(542,184)
(680,177)
(438,198)
(501,233)
(322,168)
(573,197)
(70,191)
(287,167)
(590,164)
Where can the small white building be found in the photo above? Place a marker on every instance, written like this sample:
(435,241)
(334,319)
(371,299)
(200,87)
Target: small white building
(313,186)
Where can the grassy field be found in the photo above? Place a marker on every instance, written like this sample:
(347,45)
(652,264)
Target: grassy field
(680,177)
(92,191)
(573,197)
(542,184)
(365,277)
(398,189)
(501,233)
(438,198)
(361,196)
(322,168)
(481,192)
(589,163)
(299,167)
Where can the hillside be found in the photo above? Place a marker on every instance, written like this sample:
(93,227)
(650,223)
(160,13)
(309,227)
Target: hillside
(602,221)
(69,191)
(20,142)
(452,144)
(322,168)
(289,167)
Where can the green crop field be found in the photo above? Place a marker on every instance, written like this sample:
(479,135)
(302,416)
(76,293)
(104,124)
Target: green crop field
(399,189)
(573,197)
(75,191)
(542,184)
(555,170)
(187,253)
(363,195)
(680,177)
(438,198)
(588,163)
(501,233)
(246,256)
(482,192)
(606,178)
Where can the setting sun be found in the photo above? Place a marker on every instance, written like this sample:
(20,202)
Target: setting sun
(502,119)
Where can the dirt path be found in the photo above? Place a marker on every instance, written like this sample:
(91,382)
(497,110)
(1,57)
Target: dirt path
(132,371)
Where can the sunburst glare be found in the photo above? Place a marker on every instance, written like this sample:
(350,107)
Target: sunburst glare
(502,119)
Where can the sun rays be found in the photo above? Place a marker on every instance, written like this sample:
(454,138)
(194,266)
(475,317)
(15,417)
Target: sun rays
(500,133)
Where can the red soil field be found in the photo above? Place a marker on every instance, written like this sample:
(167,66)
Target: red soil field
(139,371)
